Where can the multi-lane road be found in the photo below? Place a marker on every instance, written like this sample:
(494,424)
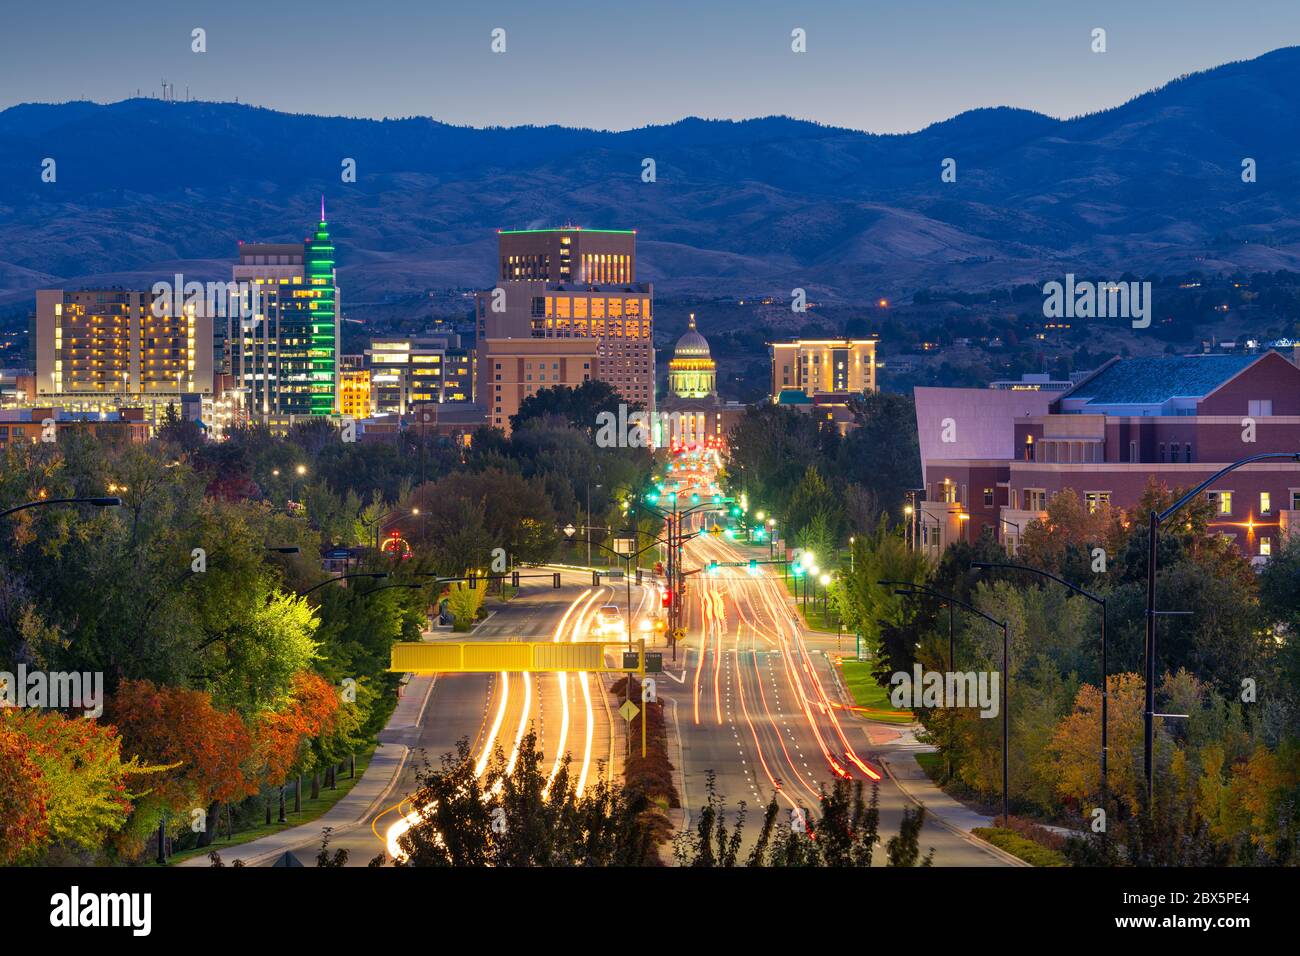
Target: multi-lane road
(752,697)
(572,714)
(759,705)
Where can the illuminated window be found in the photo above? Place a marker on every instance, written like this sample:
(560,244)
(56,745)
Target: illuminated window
(1265,502)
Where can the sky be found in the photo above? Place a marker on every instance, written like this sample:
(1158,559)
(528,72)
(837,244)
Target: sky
(878,66)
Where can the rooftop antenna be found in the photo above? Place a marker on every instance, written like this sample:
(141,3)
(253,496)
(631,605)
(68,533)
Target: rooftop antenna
(322,207)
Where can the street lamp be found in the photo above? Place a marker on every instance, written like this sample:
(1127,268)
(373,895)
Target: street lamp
(344,577)
(1105,690)
(39,503)
(913,588)
(1151,612)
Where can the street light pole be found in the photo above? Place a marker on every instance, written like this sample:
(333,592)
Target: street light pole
(913,588)
(1149,715)
(42,502)
(1105,689)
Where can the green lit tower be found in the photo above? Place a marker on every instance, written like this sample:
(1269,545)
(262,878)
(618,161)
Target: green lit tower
(319,255)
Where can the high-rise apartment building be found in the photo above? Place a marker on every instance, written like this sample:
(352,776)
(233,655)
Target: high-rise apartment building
(285,357)
(568,285)
(101,348)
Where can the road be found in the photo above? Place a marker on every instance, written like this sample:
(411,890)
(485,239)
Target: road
(571,713)
(757,704)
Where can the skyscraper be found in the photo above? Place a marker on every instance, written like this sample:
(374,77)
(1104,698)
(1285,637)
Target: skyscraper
(285,357)
(567,285)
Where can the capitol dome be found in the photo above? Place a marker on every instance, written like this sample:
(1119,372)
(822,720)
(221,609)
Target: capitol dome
(692,373)
(692,344)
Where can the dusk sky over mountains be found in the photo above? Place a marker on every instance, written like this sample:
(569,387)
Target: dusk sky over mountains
(624,65)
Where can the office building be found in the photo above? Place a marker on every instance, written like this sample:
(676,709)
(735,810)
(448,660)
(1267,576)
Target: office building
(285,356)
(517,368)
(823,367)
(414,370)
(569,285)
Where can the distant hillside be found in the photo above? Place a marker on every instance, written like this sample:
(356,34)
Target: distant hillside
(761,206)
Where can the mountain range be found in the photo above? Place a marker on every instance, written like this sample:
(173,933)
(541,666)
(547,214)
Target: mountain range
(145,188)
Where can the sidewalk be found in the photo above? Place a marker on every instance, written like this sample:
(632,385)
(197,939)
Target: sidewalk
(363,801)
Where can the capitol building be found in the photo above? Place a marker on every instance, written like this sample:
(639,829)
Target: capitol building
(691,414)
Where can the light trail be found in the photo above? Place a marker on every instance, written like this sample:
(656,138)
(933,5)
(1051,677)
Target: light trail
(563,680)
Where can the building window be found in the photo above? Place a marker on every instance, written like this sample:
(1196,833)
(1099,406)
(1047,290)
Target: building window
(1095,500)
(1188,453)
(988,497)
(1257,407)
(1295,499)
(1265,547)
(1265,502)
(949,492)
(1035,499)
(1221,500)
(1133,451)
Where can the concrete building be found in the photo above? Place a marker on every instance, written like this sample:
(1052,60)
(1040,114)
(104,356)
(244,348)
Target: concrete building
(411,370)
(1176,420)
(513,369)
(103,349)
(576,288)
(823,367)
(33,425)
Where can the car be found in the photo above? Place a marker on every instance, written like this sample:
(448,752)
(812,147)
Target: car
(608,622)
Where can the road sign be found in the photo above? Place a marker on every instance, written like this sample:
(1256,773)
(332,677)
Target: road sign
(569,530)
(629,710)
(679,634)
(625,545)
(654,662)
(614,575)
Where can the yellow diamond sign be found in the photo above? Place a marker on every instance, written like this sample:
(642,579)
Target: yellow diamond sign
(629,710)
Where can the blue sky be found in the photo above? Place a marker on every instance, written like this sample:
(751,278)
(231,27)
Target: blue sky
(614,64)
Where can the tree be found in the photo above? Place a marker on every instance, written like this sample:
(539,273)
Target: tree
(464,602)
(206,749)
(88,787)
(24,798)
(523,818)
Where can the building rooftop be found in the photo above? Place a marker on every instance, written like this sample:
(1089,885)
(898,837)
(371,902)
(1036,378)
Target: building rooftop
(1153,381)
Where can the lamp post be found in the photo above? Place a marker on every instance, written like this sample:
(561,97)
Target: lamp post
(913,588)
(589,487)
(42,502)
(1149,713)
(344,577)
(1105,690)
(952,647)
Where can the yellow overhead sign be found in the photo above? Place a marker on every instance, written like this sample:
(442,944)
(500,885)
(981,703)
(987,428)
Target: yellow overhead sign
(469,657)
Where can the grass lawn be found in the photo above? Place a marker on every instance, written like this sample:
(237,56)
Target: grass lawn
(1016,845)
(311,810)
(867,693)
(813,615)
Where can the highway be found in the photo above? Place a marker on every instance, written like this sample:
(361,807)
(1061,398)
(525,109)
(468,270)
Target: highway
(756,704)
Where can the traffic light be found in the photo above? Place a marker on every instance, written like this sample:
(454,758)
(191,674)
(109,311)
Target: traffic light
(668,597)
(713,567)
(753,565)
